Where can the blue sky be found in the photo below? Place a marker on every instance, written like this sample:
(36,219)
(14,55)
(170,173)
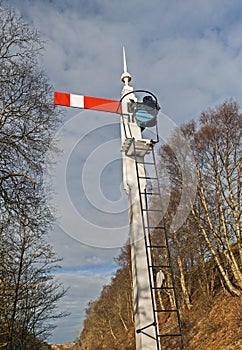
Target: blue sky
(189,53)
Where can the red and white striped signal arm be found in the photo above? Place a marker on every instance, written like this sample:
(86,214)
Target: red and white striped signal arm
(87,102)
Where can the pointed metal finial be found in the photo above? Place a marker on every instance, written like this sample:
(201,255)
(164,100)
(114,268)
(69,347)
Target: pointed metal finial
(125,62)
(125,77)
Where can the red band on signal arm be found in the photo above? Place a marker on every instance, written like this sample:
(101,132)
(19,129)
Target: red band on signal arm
(101,104)
(60,98)
(87,102)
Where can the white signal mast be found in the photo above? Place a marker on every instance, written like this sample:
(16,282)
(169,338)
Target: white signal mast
(134,117)
(143,308)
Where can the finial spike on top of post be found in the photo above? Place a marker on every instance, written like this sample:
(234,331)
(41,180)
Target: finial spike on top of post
(125,62)
(125,77)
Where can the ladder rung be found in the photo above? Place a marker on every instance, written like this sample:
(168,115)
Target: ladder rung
(160,266)
(157,310)
(155,227)
(147,163)
(151,193)
(152,210)
(157,246)
(170,335)
(159,288)
(148,178)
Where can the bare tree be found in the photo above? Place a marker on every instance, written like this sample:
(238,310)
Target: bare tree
(217,145)
(216,212)
(177,182)
(28,119)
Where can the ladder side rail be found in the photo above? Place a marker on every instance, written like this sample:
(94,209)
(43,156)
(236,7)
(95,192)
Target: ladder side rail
(147,243)
(170,260)
(151,270)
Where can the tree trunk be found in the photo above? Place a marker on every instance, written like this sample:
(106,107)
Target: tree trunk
(183,284)
(229,285)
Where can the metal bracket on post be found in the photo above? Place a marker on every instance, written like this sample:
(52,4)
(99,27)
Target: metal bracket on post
(149,325)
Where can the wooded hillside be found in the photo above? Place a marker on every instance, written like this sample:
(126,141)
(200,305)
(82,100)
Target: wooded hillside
(206,250)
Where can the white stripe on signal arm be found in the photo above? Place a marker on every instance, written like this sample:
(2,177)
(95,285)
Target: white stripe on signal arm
(76,101)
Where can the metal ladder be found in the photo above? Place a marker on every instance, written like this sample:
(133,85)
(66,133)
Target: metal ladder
(164,297)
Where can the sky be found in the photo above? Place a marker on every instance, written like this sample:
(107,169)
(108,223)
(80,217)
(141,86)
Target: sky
(188,53)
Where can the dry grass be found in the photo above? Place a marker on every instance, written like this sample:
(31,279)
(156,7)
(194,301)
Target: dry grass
(70,346)
(218,327)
